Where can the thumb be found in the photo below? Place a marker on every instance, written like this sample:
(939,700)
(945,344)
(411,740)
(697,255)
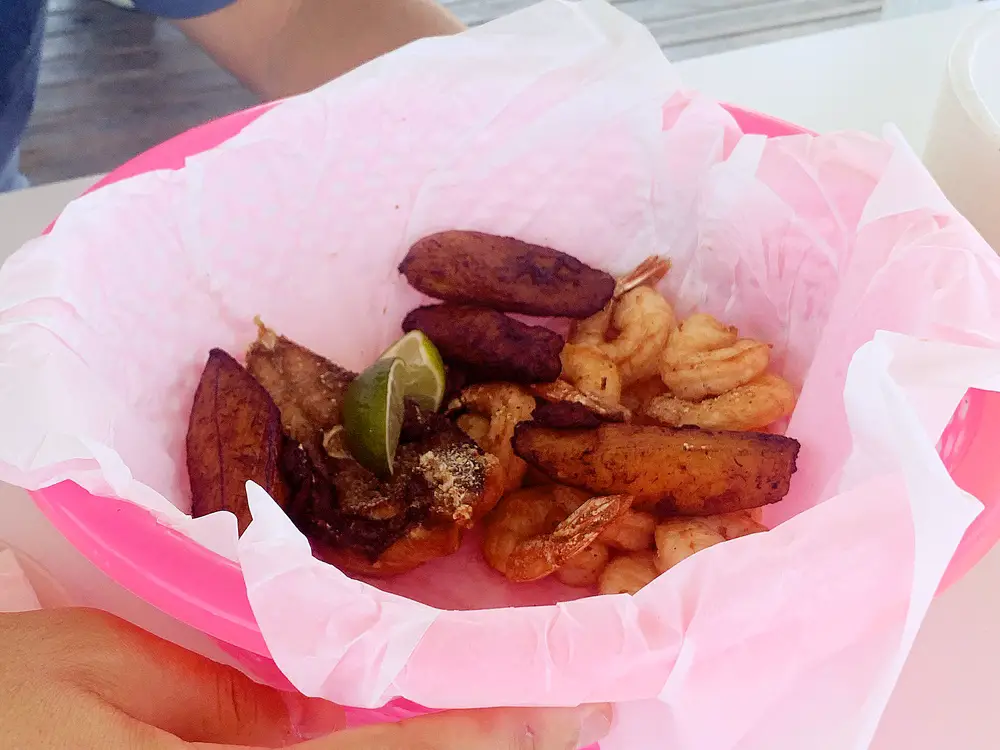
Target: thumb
(495,729)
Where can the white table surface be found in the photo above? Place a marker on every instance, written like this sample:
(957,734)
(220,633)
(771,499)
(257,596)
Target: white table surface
(857,78)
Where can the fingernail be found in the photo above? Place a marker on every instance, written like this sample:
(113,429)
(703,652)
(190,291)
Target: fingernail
(313,717)
(595,723)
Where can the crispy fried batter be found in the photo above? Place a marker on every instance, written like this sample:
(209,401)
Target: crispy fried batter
(234,435)
(675,471)
(443,483)
(505,274)
(307,388)
(489,344)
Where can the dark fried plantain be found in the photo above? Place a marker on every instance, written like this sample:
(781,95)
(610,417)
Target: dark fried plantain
(234,435)
(489,345)
(564,415)
(307,388)
(671,470)
(505,274)
(443,482)
(561,392)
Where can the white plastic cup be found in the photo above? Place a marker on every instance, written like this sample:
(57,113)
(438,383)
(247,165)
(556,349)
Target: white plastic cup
(963,146)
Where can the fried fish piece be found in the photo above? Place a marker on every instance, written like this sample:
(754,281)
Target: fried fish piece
(670,470)
(443,483)
(505,274)
(234,435)
(489,345)
(307,388)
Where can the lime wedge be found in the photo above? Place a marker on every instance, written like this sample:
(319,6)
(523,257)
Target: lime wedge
(423,379)
(373,414)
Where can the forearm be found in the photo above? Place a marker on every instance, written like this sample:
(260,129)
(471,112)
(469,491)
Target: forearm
(284,47)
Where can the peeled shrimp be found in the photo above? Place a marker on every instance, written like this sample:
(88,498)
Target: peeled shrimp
(632,532)
(594,330)
(642,318)
(679,538)
(697,375)
(592,372)
(638,395)
(506,405)
(738,523)
(628,574)
(752,406)
(583,570)
(535,531)
(702,333)
(476,426)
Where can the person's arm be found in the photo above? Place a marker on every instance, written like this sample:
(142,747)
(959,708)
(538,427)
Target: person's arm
(284,47)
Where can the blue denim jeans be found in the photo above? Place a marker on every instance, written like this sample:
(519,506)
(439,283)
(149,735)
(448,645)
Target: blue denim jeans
(10,175)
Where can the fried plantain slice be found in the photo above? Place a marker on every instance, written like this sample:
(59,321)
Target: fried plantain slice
(489,345)
(505,274)
(307,388)
(234,435)
(564,415)
(561,392)
(443,483)
(671,470)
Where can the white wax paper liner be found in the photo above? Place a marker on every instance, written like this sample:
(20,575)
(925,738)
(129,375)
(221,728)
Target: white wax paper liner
(562,124)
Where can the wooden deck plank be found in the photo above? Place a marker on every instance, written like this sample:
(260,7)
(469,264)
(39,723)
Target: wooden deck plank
(114,83)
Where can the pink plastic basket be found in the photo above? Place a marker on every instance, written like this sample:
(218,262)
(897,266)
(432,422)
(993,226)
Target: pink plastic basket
(206,591)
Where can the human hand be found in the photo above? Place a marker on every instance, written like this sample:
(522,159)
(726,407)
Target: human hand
(86,680)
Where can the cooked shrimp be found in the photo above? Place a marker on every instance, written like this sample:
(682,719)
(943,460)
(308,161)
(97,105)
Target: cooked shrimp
(592,372)
(702,333)
(638,395)
(628,574)
(697,375)
(476,426)
(644,321)
(737,524)
(505,404)
(584,569)
(642,318)
(679,538)
(753,406)
(633,532)
(594,330)
(535,531)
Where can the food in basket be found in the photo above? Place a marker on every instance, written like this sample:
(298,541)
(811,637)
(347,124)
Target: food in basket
(307,388)
(535,531)
(603,459)
(489,345)
(670,470)
(234,435)
(505,274)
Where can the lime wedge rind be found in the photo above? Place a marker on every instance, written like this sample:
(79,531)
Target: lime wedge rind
(374,403)
(373,414)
